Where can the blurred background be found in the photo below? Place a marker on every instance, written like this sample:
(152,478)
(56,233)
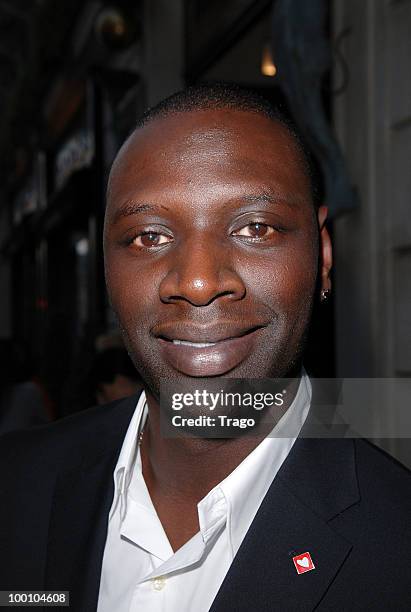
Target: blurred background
(74,78)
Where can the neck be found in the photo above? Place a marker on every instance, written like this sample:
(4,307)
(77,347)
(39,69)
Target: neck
(188,467)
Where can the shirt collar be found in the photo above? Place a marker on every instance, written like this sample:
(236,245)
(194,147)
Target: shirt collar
(128,453)
(245,488)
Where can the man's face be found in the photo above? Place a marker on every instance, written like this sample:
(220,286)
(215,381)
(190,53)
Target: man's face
(211,247)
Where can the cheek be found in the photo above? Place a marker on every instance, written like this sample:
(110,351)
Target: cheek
(286,278)
(130,291)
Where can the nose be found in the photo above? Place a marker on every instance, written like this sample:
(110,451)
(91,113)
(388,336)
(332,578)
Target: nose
(200,273)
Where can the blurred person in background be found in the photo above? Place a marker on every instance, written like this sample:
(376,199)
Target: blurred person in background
(102,372)
(113,376)
(24,401)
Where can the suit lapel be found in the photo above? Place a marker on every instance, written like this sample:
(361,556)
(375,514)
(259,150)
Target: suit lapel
(78,524)
(316,483)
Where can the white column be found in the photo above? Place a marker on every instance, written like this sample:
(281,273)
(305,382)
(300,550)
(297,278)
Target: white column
(373,243)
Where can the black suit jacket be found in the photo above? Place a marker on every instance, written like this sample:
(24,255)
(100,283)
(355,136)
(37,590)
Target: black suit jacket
(343,500)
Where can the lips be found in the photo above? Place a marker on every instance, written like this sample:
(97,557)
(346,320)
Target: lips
(206,350)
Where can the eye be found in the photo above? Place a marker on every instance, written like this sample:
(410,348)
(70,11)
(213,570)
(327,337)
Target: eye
(255,230)
(151,239)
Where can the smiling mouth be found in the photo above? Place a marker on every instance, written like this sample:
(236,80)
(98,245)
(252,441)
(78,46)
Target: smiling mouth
(204,342)
(213,354)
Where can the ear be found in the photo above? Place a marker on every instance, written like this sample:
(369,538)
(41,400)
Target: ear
(326,254)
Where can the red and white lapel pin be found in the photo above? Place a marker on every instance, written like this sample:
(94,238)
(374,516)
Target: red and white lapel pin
(303,563)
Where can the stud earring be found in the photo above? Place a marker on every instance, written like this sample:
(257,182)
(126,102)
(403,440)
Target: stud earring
(325,295)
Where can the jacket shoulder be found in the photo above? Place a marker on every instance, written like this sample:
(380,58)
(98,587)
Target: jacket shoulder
(381,476)
(49,445)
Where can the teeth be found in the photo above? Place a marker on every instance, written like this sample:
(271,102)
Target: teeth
(195,344)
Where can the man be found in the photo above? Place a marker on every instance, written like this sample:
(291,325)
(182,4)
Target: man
(215,250)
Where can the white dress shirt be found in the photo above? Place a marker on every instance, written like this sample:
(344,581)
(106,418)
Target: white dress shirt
(140,571)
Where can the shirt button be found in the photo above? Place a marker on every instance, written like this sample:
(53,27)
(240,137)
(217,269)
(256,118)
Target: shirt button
(159,583)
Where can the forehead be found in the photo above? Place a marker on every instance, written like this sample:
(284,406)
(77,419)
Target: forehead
(209,148)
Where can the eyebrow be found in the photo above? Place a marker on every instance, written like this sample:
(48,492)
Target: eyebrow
(133,208)
(269,197)
(291,201)
(130,208)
